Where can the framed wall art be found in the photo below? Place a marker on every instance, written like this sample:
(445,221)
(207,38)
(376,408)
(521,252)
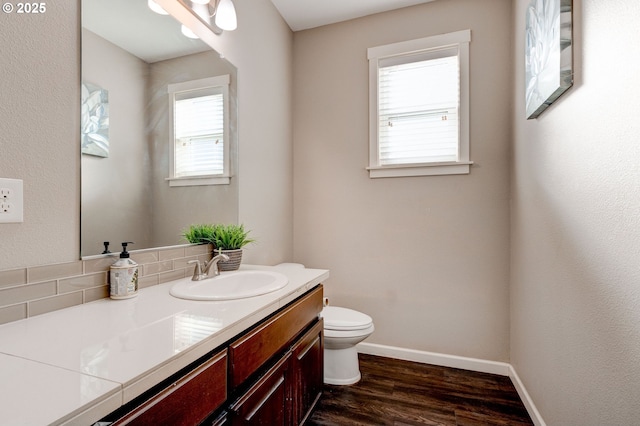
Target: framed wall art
(94,120)
(548,53)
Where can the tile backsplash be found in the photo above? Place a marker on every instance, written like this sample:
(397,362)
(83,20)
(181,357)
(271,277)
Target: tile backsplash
(31,291)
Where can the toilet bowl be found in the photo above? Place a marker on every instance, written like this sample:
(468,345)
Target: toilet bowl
(343,330)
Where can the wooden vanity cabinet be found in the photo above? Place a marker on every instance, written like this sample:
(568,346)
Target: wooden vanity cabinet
(292,342)
(271,375)
(287,392)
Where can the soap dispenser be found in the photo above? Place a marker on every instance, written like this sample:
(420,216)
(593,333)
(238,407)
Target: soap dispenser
(123,276)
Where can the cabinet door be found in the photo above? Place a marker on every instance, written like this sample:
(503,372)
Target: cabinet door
(268,402)
(308,367)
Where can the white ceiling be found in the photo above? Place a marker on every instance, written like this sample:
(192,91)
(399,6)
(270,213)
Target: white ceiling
(132,26)
(305,14)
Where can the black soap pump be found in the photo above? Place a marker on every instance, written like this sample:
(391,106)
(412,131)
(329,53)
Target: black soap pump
(106,248)
(123,276)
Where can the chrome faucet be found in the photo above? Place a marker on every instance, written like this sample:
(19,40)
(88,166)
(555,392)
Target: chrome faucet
(199,274)
(213,263)
(197,271)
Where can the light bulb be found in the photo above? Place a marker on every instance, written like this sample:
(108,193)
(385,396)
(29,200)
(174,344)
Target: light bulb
(226,16)
(156,7)
(187,32)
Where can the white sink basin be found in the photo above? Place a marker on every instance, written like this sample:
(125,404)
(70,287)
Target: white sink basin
(230,285)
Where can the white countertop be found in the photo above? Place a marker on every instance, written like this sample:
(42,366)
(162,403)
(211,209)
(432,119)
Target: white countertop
(75,365)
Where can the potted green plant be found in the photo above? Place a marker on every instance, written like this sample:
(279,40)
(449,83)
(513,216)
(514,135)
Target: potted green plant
(229,240)
(226,239)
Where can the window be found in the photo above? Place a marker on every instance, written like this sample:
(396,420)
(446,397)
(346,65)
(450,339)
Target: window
(419,107)
(199,132)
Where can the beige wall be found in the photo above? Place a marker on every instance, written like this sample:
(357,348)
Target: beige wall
(39,136)
(426,257)
(575,274)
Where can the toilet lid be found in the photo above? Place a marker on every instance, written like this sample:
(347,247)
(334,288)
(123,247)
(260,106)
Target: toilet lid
(336,318)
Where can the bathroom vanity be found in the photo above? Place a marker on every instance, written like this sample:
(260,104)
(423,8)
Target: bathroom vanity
(157,359)
(272,374)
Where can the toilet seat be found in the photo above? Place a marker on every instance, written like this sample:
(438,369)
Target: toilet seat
(343,319)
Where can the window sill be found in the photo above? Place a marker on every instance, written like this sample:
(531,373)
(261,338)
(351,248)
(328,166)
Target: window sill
(199,180)
(432,169)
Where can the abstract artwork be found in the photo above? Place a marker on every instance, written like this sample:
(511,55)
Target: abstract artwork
(548,53)
(94,120)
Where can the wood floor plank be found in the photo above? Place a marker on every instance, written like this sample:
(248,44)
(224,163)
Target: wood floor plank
(402,393)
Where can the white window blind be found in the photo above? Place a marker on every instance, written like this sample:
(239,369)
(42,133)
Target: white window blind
(418,109)
(199,134)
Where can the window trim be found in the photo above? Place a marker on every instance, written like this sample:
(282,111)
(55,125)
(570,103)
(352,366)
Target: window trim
(375,55)
(221,81)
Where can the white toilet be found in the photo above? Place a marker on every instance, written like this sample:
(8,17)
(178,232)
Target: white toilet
(343,330)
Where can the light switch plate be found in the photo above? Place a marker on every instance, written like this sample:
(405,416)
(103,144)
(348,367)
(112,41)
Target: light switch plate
(11,201)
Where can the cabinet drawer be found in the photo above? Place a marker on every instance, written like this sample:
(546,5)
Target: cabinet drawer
(188,401)
(249,352)
(267,402)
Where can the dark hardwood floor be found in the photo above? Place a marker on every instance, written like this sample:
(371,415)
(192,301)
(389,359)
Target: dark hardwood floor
(402,393)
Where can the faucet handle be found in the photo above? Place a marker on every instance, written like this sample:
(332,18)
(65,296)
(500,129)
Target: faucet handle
(222,255)
(197,271)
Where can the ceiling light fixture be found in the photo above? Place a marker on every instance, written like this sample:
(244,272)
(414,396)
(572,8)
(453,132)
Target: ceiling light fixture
(223,11)
(156,7)
(226,16)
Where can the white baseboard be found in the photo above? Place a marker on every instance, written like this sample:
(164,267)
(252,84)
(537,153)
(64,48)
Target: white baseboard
(454,361)
(473,364)
(536,418)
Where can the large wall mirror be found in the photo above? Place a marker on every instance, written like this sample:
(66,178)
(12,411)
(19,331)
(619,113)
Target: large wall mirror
(130,57)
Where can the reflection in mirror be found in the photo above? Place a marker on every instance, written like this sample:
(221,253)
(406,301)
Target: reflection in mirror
(130,56)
